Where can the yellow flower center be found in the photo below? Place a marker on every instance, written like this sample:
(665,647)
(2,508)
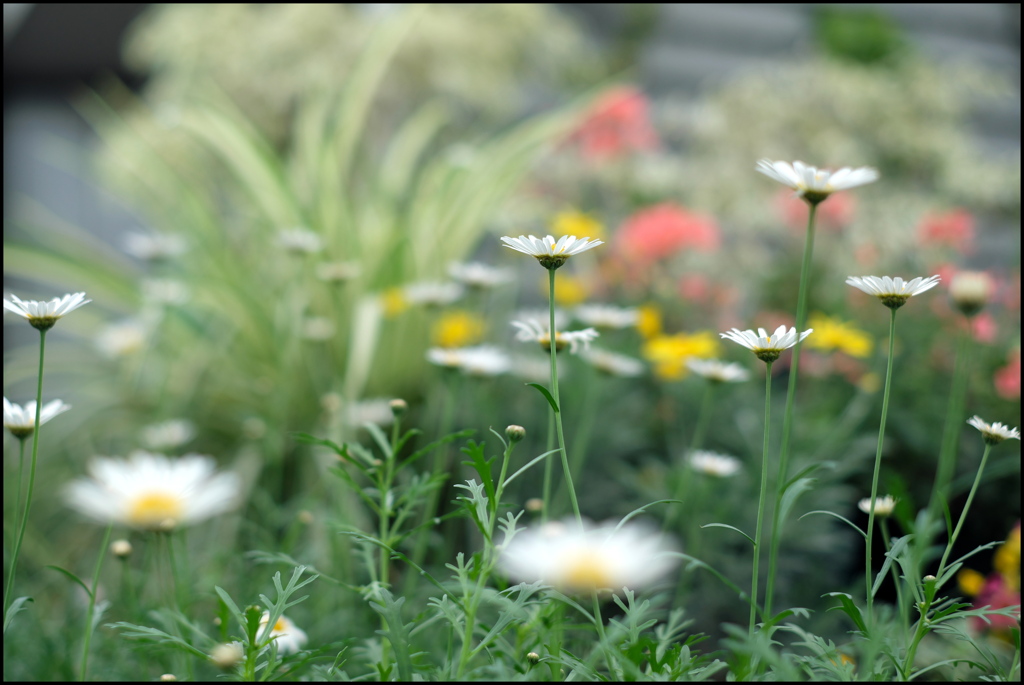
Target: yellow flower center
(588,571)
(458,329)
(156,510)
(280,626)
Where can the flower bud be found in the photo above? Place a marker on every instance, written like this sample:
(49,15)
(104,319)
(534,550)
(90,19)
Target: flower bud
(168,678)
(533,657)
(970,291)
(534,505)
(398,408)
(515,433)
(227,655)
(121,548)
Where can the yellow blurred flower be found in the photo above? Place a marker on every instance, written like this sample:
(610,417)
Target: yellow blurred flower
(570,290)
(575,222)
(458,328)
(393,301)
(834,334)
(649,321)
(1007,559)
(669,353)
(870,382)
(970,581)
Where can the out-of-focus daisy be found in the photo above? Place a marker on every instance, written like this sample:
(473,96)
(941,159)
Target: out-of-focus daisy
(168,435)
(300,240)
(583,558)
(994,433)
(713,463)
(534,331)
(884,506)
(549,252)
(970,291)
(21,421)
(834,334)
(718,371)
(154,247)
(338,272)
(153,492)
(227,655)
(766,347)
(376,411)
(458,329)
(121,339)
(481,360)
(43,315)
(164,291)
(893,292)
(432,293)
(479,275)
(813,184)
(607,316)
(289,637)
(613,363)
(670,353)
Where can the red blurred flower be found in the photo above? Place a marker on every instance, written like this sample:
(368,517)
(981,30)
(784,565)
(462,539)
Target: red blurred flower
(1007,379)
(660,231)
(984,328)
(952,229)
(997,594)
(834,214)
(618,123)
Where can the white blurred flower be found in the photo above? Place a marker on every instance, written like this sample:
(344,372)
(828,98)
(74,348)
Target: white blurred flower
(153,492)
(479,275)
(227,655)
(164,291)
(815,184)
(585,559)
(300,240)
(43,315)
(766,347)
(155,246)
(21,421)
(549,252)
(121,339)
(613,363)
(893,292)
(338,272)
(168,435)
(884,506)
(289,637)
(318,328)
(432,293)
(482,360)
(970,291)
(718,371)
(375,411)
(994,433)
(607,316)
(534,331)
(713,463)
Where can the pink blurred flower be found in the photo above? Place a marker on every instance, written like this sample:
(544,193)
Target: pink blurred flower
(997,594)
(1007,379)
(659,232)
(833,215)
(694,287)
(618,123)
(984,328)
(954,228)
(866,255)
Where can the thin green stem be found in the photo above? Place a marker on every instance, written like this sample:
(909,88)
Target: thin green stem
(878,463)
(92,604)
(21,474)
(787,419)
(703,418)
(904,618)
(951,431)
(683,473)
(552,333)
(763,495)
(963,514)
(31,476)
(549,465)
(603,639)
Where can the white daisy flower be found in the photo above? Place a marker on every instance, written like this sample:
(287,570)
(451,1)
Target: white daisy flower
(43,315)
(534,331)
(154,247)
(586,559)
(613,363)
(607,316)
(168,435)
(550,253)
(718,371)
(21,421)
(813,184)
(152,492)
(893,292)
(766,347)
(289,637)
(884,506)
(479,275)
(300,240)
(481,360)
(713,463)
(432,293)
(994,433)
(121,339)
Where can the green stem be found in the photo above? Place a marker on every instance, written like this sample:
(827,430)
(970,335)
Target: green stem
(703,418)
(904,617)
(31,476)
(552,333)
(878,463)
(683,473)
(549,465)
(951,432)
(963,514)
(21,473)
(787,420)
(763,495)
(92,603)
(605,649)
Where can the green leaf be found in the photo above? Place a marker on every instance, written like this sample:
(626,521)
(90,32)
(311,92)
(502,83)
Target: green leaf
(725,525)
(793,491)
(434,445)
(849,608)
(16,606)
(547,395)
(482,465)
(640,510)
(841,518)
(72,577)
(154,635)
(528,465)
(898,545)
